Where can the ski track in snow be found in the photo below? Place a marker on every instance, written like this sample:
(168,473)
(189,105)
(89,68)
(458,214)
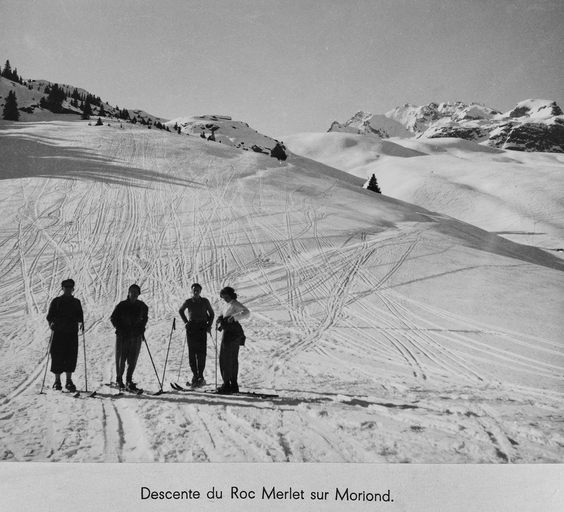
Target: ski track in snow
(365,370)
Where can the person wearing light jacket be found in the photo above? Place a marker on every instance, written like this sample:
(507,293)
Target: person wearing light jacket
(232,338)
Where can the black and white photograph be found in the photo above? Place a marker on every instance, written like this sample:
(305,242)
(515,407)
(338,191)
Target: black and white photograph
(282,233)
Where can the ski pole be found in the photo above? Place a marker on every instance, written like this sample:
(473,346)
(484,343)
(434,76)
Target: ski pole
(154,367)
(167,350)
(215,345)
(47,362)
(181,361)
(85,368)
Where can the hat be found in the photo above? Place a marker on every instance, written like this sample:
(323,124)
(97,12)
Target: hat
(67,283)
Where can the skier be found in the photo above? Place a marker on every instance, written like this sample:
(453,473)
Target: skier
(198,325)
(129,319)
(232,338)
(65,316)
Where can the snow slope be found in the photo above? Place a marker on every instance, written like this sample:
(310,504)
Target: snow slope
(225,130)
(513,193)
(389,332)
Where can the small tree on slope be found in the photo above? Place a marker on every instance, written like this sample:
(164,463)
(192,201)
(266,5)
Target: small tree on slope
(11,112)
(373,185)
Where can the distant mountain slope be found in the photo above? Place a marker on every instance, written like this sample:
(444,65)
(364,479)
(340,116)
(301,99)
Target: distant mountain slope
(533,125)
(517,194)
(32,94)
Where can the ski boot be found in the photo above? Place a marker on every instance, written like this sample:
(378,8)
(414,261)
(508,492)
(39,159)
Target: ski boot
(223,390)
(131,387)
(69,386)
(57,385)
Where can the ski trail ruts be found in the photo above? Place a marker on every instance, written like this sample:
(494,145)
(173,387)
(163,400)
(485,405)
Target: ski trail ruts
(320,443)
(335,304)
(268,447)
(232,445)
(487,423)
(489,351)
(25,276)
(112,427)
(335,308)
(503,354)
(219,201)
(286,249)
(135,446)
(423,343)
(204,447)
(33,376)
(520,338)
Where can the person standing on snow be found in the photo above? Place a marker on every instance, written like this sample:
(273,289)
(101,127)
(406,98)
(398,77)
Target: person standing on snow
(65,316)
(129,318)
(198,325)
(232,338)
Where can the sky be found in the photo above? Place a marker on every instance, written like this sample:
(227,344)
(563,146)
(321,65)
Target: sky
(290,66)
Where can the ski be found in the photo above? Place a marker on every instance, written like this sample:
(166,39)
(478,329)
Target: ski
(74,394)
(178,387)
(121,391)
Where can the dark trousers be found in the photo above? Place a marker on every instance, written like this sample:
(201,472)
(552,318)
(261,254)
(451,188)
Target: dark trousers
(197,349)
(127,351)
(229,359)
(64,352)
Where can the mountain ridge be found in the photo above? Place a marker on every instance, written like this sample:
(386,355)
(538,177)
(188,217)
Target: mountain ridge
(532,125)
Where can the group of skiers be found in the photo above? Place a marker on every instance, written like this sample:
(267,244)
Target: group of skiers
(130,317)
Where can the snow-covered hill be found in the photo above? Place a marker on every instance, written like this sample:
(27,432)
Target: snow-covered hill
(30,94)
(533,125)
(515,194)
(391,333)
(225,130)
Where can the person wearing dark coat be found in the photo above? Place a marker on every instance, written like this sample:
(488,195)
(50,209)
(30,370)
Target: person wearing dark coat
(65,316)
(129,318)
(198,324)
(232,338)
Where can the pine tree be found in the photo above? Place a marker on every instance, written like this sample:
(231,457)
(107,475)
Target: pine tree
(11,112)
(55,97)
(102,111)
(99,122)
(87,112)
(373,185)
(7,71)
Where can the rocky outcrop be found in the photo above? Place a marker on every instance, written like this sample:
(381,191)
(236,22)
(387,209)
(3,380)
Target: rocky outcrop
(529,137)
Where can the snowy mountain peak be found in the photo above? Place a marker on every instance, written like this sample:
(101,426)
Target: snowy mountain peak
(535,109)
(533,125)
(365,123)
